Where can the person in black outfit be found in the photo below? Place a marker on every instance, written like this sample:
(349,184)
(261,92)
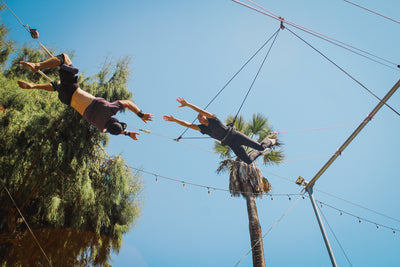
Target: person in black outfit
(212,126)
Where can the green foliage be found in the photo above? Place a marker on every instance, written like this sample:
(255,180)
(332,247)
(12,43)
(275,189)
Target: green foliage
(6,46)
(54,164)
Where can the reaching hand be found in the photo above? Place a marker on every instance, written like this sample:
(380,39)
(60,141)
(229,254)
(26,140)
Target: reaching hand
(182,101)
(147,117)
(133,135)
(169,118)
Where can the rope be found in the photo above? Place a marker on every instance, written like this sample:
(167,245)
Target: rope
(255,78)
(269,230)
(294,131)
(334,235)
(229,81)
(376,13)
(345,72)
(320,35)
(215,153)
(173,139)
(26,223)
(28,29)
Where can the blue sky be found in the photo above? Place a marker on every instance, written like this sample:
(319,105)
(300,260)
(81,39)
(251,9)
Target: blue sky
(191,49)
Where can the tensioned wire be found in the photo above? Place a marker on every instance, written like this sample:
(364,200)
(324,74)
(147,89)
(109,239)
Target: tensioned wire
(237,72)
(269,230)
(26,223)
(268,13)
(336,238)
(345,72)
(374,12)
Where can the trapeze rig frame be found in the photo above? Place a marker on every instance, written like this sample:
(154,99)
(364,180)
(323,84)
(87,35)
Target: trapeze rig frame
(308,186)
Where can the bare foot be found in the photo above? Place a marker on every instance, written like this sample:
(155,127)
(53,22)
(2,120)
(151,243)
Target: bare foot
(30,65)
(25,85)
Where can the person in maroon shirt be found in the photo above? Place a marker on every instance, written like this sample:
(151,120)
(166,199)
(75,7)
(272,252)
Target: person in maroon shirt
(227,135)
(96,110)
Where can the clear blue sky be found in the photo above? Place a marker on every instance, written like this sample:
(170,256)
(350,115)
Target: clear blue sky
(191,49)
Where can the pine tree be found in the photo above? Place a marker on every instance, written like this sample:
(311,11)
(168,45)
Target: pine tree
(78,200)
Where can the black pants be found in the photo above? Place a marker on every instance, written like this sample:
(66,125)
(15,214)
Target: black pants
(239,140)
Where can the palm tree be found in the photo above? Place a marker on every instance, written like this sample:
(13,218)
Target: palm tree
(247,180)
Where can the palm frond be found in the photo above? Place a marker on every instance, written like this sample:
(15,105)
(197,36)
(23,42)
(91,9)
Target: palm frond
(266,185)
(240,123)
(247,179)
(258,124)
(273,157)
(223,151)
(229,119)
(224,166)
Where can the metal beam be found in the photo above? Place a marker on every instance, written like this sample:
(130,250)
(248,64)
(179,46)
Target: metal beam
(354,134)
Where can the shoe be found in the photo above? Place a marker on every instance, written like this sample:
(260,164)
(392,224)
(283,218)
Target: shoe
(274,142)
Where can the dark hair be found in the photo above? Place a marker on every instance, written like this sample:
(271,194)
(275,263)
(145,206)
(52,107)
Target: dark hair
(115,127)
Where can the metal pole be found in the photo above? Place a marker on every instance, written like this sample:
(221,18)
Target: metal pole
(321,226)
(354,134)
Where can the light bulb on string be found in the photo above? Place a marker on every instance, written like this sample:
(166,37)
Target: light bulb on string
(359,221)
(272,198)
(394,232)
(156,179)
(341,213)
(377,227)
(209,192)
(289,198)
(184,185)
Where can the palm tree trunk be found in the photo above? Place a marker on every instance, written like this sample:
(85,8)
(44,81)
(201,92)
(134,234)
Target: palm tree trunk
(255,232)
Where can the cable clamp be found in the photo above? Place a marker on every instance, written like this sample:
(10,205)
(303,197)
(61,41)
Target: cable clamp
(146,131)
(282,26)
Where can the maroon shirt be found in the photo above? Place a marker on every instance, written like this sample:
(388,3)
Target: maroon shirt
(100,111)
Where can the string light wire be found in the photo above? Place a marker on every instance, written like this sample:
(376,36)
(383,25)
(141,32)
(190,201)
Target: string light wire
(358,205)
(341,211)
(208,187)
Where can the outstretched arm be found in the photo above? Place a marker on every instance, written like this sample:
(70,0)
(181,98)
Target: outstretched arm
(132,107)
(181,122)
(195,108)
